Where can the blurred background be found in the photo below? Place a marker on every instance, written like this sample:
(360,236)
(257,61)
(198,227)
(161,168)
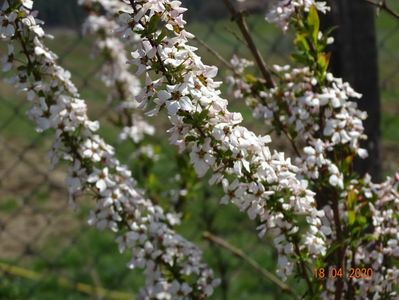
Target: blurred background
(47,250)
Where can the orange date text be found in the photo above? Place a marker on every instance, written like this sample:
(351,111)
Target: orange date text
(340,273)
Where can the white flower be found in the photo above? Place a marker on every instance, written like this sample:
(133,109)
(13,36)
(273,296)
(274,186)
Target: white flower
(145,52)
(282,10)
(7,28)
(8,59)
(101,179)
(27,3)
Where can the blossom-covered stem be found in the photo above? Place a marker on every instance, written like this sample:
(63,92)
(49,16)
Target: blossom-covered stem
(240,254)
(153,44)
(280,125)
(252,91)
(267,75)
(172,265)
(202,124)
(123,86)
(243,26)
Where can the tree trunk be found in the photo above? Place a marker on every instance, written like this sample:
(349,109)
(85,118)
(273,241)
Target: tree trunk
(355,59)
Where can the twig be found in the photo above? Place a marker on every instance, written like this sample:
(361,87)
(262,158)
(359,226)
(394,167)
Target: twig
(215,53)
(341,249)
(65,283)
(242,24)
(239,253)
(382,4)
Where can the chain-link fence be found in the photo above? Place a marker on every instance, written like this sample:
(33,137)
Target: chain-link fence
(46,249)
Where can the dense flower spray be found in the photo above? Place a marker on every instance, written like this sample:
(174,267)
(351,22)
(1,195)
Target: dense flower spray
(172,265)
(261,182)
(122,85)
(313,108)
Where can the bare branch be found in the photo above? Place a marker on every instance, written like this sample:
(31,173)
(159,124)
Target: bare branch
(242,24)
(382,5)
(215,53)
(240,254)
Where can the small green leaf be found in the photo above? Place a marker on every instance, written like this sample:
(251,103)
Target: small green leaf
(313,22)
(351,217)
(362,220)
(152,182)
(164,33)
(323,61)
(301,42)
(153,24)
(351,198)
(190,138)
(249,78)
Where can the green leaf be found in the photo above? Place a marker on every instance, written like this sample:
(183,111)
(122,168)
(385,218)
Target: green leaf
(164,33)
(323,61)
(313,22)
(362,220)
(152,182)
(249,78)
(301,42)
(351,198)
(299,58)
(153,24)
(190,138)
(351,217)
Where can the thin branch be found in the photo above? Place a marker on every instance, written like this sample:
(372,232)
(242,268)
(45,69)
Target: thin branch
(215,53)
(302,268)
(242,24)
(90,290)
(382,5)
(239,253)
(341,248)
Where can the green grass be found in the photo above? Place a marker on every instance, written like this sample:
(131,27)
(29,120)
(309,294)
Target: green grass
(94,252)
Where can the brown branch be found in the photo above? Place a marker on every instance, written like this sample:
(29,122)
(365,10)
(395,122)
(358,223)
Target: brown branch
(215,54)
(341,248)
(302,267)
(240,254)
(382,5)
(243,26)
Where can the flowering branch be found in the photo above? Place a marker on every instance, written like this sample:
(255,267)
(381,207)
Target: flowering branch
(124,87)
(172,265)
(258,182)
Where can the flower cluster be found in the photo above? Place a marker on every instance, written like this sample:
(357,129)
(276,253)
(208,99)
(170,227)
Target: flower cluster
(281,11)
(308,104)
(379,240)
(314,108)
(123,86)
(383,245)
(109,6)
(258,181)
(172,265)
(238,86)
(323,118)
